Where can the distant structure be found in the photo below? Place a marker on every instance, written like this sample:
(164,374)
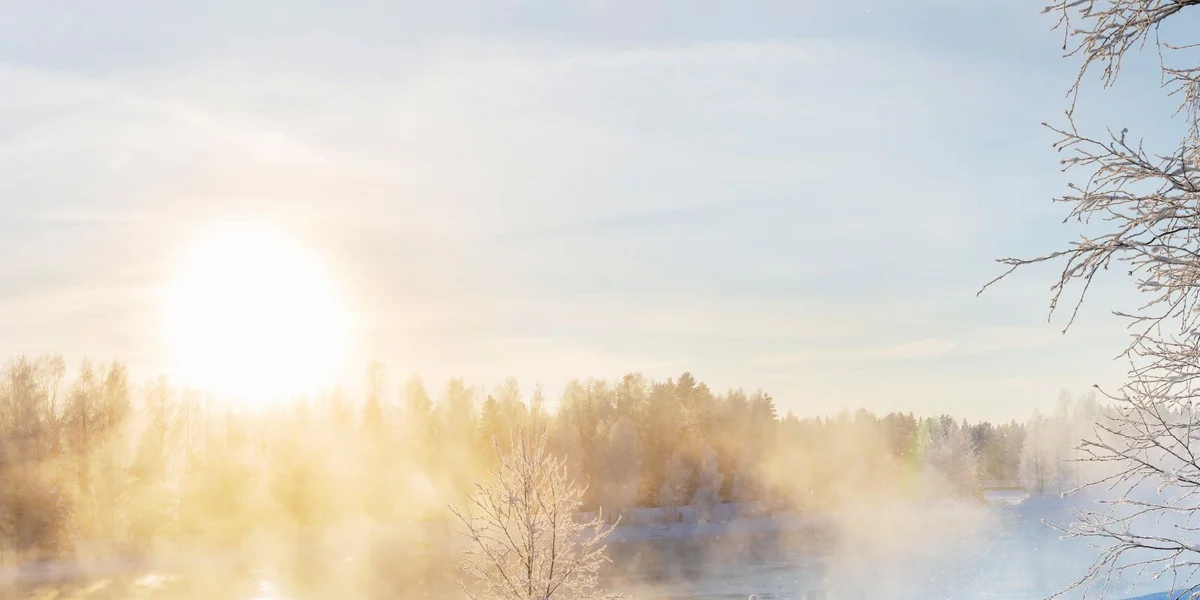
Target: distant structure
(997,485)
(1003,492)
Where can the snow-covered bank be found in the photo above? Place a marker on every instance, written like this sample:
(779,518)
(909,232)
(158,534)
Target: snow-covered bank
(724,520)
(749,525)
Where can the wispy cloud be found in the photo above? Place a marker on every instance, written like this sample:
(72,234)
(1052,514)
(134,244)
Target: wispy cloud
(708,193)
(911,350)
(982,340)
(928,348)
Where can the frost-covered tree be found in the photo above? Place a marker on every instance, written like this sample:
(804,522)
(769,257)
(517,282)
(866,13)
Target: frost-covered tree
(1141,210)
(621,467)
(677,480)
(708,482)
(948,454)
(418,421)
(564,441)
(1038,457)
(148,469)
(524,542)
(35,505)
(491,422)
(538,421)
(417,403)
(1049,458)
(742,487)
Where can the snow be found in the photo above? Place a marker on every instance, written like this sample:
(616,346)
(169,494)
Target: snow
(701,529)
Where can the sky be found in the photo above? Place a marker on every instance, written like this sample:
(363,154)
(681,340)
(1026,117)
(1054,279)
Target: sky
(796,196)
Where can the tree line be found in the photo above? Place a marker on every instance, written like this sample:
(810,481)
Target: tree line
(95,458)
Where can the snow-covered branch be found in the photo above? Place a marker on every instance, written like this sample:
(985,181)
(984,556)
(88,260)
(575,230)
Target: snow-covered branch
(1143,211)
(523,542)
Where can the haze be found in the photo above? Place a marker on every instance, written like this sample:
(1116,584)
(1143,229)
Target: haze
(795,196)
(599,300)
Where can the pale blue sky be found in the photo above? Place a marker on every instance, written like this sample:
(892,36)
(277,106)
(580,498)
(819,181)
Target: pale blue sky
(795,195)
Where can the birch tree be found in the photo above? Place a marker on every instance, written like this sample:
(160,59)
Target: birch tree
(523,540)
(1143,209)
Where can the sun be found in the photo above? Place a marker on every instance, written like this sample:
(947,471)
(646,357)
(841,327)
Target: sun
(253,317)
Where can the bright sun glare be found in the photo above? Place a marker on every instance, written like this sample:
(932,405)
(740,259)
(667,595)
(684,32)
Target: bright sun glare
(254,318)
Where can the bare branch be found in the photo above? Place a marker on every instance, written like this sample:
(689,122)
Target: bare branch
(523,542)
(1141,211)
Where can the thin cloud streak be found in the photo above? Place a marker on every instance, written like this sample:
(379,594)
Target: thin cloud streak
(733,206)
(991,340)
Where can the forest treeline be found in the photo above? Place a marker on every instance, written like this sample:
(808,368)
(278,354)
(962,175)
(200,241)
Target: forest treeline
(93,457)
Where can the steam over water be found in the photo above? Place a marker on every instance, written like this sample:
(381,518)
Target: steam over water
(947,551)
